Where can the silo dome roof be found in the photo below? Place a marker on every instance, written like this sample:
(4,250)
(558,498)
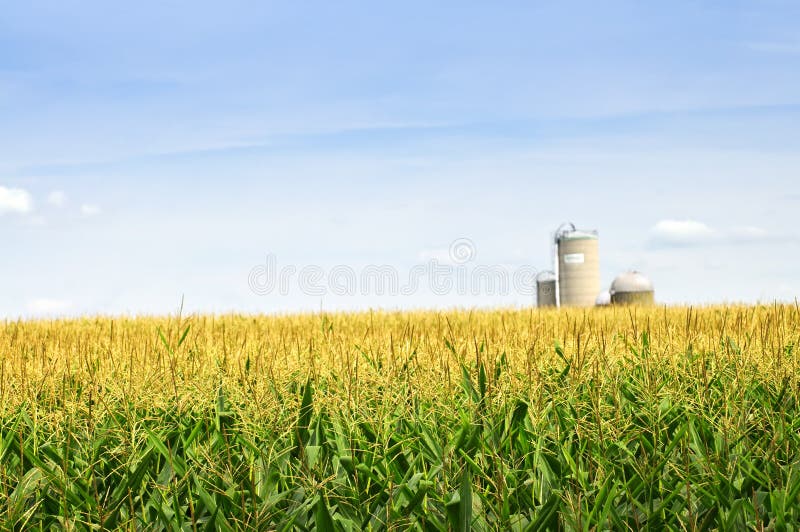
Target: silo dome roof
(632,281)
(545,276)
(577,234)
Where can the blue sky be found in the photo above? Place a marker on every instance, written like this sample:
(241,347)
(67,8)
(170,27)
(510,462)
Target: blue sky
(165,149)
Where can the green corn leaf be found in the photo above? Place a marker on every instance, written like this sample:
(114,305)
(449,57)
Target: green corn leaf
(465,502)
(322,515)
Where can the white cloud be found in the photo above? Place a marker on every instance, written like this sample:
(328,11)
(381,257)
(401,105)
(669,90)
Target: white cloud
(749,233)
(682,232)
(89,210)
(46,306)
(15,200)
(57,198)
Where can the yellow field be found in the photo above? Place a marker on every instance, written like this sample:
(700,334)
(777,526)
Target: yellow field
(47,363)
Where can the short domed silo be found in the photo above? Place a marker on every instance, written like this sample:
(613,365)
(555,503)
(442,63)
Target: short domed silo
(578,263)
(632,288)
(546,289)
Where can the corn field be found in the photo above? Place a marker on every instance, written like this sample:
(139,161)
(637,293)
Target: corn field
(617,418)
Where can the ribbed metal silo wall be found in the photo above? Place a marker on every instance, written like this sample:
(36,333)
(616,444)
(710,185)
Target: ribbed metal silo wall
(578,270)
(633,298)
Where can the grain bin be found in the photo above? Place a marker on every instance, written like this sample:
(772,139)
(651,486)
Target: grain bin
(632,288)
(546,289)
(578,266)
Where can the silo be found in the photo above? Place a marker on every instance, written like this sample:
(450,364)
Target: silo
(632,288)
(546,289)
(578,264)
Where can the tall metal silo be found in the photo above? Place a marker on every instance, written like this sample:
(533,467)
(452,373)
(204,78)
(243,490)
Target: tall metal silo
(546,289)
(578,266)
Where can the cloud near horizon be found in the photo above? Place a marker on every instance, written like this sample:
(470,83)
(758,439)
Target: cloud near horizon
(47,306)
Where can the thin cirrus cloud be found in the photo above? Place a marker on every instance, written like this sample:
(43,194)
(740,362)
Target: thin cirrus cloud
(15,200)
(688,233)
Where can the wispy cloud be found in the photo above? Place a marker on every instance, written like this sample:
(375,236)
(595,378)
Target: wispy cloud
(88,210)
(47,306)
(15,200)
(682,233)
(748,234)
(689,233)
(57,198)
